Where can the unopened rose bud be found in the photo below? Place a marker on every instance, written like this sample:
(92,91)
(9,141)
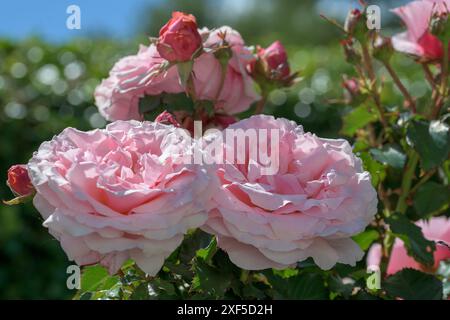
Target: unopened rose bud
(179,40)
(18,180)
(271,68)
(440,26)
(355,25)
(351,55)
(353,94)
(167,118)
(275,61)
(382,48)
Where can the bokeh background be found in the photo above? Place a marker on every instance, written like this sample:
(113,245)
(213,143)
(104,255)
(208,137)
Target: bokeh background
(48,74)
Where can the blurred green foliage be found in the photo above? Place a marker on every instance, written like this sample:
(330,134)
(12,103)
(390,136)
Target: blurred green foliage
(45,88)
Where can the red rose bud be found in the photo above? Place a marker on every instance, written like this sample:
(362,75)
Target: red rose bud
(275,61)
(179,39)
(167,118)
(18,180)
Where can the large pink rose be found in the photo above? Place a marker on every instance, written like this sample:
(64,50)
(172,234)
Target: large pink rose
(131,78)
(319,197)
(119,193)
(436,229)
(238,91)
(417,40)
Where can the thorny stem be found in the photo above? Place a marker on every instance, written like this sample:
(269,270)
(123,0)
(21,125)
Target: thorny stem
(428,75)
(400,86)
(260,105)
(388,238)
(376,97)
(443,86)
(422,180)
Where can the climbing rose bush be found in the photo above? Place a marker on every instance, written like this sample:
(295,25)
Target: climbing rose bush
(134,199)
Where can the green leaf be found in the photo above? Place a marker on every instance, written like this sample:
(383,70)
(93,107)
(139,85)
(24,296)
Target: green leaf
(163,289)
(357,119)
(305,286)
(149,104)
(178,101)
(184,71)
(96,278)
(211,279)
(417,246)
(377,170)
(431,197)
(207,253)
(390,155)
(192,242)
(431,141)
(336,284)
(286,273)
(410,284)
(366,238)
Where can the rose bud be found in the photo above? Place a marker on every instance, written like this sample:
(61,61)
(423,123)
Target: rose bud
(167,118)
(353,94)
(179,39)
(351,55)
(271,68)
(355,25)
(440,26)
(382,48)
(274,59)
(19,181)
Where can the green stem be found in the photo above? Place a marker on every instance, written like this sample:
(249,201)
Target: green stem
(260,105)
(408,176)
(400,86)
(367,60)
(245,276)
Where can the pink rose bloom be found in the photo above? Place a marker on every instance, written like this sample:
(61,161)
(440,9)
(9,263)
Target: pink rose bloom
(118,193)
(179,39)
(131,78)
(237,93)
(436,229)
(417,40)
(317,200)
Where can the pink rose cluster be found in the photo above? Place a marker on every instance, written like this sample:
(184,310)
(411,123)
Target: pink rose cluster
(136,76)
(131,190)
(127,191)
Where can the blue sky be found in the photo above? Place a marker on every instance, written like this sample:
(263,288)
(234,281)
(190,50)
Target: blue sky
(115,18)
(47,18)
